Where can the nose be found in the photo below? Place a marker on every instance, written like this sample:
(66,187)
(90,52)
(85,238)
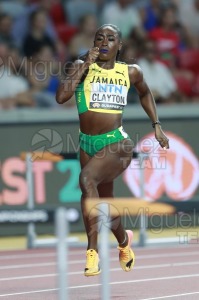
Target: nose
(105,41)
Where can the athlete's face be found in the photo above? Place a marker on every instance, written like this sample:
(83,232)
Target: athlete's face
(108,42)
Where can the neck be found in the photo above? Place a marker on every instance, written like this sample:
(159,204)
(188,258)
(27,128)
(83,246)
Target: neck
(106,64)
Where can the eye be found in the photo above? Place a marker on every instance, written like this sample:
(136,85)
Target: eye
(99,38)
(111,39)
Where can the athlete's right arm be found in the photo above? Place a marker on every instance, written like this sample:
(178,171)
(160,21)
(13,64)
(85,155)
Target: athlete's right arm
(67,87)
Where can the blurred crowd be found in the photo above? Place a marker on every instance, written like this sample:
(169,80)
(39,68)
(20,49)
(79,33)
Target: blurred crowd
(39,39)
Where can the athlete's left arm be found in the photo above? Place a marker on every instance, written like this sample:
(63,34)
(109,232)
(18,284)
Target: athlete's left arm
(147,101)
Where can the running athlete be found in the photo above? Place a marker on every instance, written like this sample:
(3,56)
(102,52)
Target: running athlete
(101,84)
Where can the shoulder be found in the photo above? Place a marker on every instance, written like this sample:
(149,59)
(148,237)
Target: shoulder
(135,73)
(134,68)
(78,62)
(71,67)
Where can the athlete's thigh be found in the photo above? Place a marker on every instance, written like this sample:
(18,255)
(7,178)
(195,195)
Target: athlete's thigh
(109,162)
(105,190)
(84,158)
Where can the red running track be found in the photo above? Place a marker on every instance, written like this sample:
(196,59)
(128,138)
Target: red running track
(159,273)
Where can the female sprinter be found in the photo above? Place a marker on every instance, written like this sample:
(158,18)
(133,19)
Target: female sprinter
(101,84)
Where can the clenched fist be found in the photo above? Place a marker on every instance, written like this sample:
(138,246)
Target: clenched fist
(161,138)
(92,55)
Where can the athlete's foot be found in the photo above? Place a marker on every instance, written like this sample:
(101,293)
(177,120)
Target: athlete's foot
(92,263)
(126,254)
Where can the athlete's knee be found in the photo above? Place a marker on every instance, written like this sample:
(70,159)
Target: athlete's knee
(87,181)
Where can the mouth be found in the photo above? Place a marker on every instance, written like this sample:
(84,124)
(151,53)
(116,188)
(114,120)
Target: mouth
(103,50)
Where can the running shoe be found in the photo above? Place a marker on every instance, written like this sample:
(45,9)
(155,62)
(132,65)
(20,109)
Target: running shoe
(92,263)
(126,254)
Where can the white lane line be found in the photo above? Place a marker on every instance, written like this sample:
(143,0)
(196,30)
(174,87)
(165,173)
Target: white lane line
(172,296)
(111,283)
(73,262)
(35,255)
(112,270)
(27,255)
(168,254)
(138,280)
(76,273)
(30,292)
(11,267)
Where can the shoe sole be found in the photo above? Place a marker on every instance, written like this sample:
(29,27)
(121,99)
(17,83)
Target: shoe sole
(92,274)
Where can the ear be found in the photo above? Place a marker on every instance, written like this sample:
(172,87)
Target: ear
(120,46)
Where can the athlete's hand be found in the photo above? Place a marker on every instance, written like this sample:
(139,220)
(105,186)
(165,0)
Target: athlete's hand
(92,55)
(161,137)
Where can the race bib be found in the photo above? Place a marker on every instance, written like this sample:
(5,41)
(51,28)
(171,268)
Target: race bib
(108,96)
